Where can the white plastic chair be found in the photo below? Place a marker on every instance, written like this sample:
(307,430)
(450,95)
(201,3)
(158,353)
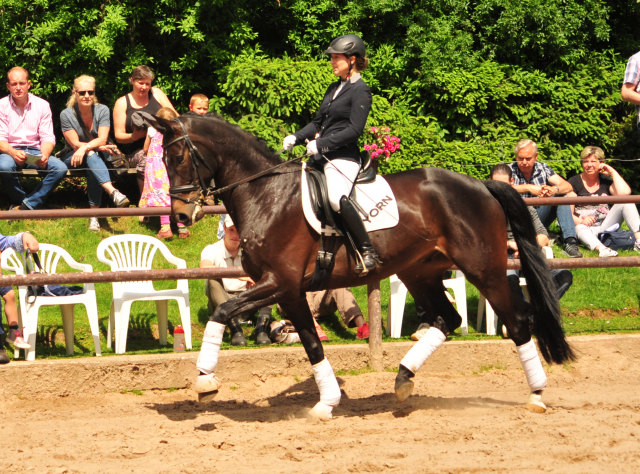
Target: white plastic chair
(492,321)
(398,296)
(49,257)
(136,252)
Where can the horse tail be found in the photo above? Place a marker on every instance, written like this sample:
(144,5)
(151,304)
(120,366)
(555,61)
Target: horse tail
(547,325)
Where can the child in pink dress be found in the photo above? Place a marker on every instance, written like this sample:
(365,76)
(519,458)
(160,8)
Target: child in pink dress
(155,192)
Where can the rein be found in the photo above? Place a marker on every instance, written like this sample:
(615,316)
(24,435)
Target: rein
(197,160)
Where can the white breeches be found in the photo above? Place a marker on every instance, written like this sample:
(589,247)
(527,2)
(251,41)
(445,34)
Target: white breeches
(340,175)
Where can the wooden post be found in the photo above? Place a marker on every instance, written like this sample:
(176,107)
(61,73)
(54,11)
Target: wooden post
(375,328)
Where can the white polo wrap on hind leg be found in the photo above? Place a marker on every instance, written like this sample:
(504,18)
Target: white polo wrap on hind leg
(423,349)
(328,387)
(211,342)
(536,378)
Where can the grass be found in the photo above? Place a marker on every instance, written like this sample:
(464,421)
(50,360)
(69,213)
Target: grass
(600,300)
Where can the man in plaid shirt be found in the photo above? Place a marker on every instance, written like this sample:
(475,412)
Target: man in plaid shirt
(631,82)
(532,178)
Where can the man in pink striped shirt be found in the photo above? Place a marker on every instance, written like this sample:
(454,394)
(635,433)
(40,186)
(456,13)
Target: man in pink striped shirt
(26,129)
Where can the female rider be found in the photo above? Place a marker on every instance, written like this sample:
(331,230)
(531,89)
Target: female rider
(142,98)
(333,137)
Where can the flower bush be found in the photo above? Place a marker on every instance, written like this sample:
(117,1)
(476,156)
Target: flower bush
(383,143)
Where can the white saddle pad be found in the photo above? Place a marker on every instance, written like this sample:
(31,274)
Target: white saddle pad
(376,198)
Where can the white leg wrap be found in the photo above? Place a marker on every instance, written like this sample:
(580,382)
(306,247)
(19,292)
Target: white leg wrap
(536,378)
(211,342)
(329,390)
(423,349)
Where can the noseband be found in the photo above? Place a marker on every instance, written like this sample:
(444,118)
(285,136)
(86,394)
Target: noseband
(196,161)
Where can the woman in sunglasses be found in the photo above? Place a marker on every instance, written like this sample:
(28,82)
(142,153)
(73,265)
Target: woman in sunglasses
(85,126)
(143,98)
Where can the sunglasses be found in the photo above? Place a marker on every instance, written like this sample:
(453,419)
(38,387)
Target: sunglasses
(83,93)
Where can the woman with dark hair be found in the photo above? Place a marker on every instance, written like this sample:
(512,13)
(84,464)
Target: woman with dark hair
(332,137)
(143,98)
(85,125)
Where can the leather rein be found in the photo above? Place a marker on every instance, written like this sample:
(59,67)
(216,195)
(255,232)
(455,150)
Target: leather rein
(197,160)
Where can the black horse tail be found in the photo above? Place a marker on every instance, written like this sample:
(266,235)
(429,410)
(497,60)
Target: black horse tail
(542,290)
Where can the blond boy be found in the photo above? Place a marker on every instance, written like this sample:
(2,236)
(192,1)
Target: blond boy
(199,104)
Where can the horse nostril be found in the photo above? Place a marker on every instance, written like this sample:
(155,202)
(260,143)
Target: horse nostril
(182,218)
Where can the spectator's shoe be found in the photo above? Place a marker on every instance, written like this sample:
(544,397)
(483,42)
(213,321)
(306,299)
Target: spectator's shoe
(238,339)
(570,248)
(94,225)
(164,234)
(607,252)
(19,207)
(636,247)
(15,339)
(119,199)
(421,331)
(183,233)
(321,334)
(4,358)
(363,331)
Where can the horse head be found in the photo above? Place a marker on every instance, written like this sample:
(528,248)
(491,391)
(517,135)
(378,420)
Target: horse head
(189,164)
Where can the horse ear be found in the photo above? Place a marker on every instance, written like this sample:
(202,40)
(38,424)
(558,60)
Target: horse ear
(145,120)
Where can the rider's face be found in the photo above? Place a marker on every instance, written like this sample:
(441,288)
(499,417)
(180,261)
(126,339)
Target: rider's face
(340,64)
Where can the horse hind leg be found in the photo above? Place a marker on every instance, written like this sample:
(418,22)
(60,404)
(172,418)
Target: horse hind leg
(443,319)
(297,310)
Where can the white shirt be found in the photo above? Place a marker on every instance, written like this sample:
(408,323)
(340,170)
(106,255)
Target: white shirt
(220,257)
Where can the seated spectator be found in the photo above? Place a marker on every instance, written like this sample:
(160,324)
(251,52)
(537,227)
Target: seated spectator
(87,143)
(199,104)
(142,98)
(562,278)
(600,179)
(26,141)
(535,179)
(227,253)
(324,304)
(20,242)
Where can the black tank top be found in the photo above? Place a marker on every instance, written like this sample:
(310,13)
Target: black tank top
(152,107)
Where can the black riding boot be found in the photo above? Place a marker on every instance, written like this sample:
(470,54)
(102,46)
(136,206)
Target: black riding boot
(237,336)
(262,327)
(4,357)
(355,226)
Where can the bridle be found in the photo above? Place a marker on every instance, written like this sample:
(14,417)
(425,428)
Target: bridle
(197,160)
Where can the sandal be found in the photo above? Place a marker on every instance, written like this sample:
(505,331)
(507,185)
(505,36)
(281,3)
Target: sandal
(143,219)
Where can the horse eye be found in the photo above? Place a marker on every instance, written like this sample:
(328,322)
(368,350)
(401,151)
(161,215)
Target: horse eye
(177,158)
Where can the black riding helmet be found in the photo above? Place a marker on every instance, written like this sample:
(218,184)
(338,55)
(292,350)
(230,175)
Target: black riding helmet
(349,45)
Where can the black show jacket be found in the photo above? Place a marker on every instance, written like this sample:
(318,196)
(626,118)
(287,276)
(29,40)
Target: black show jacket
(340,121)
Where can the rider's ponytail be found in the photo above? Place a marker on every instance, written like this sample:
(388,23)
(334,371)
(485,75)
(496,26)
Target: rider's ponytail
(362,63)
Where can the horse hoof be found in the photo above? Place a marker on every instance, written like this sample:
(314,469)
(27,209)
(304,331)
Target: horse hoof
(320,412)
(207,397)
(535,404)
(207,384)
(404,384)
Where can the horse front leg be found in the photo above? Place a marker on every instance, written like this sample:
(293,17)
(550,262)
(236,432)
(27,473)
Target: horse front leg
(265,292)
(297,310)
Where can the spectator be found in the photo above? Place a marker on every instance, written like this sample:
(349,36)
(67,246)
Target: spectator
(155,192)
(227,253)
(535,179)
(563,278)
(631,83)
(324,304)
(20,242)
(26,141)
(600,179)
(143,98)
(90,149)
(199,104)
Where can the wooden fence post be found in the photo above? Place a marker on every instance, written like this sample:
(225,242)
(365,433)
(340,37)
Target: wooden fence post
(375,327)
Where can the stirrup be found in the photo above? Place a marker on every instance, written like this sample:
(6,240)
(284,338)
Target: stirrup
(361,268)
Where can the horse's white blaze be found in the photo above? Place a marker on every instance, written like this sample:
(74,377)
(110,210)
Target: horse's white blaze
(211,342)
(423,349)
(536,378)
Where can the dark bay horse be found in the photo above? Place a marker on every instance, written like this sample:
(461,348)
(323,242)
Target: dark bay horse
(445,219)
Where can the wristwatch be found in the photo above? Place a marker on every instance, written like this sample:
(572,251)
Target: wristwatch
(558,188)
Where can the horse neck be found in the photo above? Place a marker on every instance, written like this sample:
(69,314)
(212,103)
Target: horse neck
(238,163)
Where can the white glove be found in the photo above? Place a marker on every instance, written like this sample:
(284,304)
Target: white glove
(289,142)
(312,148)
